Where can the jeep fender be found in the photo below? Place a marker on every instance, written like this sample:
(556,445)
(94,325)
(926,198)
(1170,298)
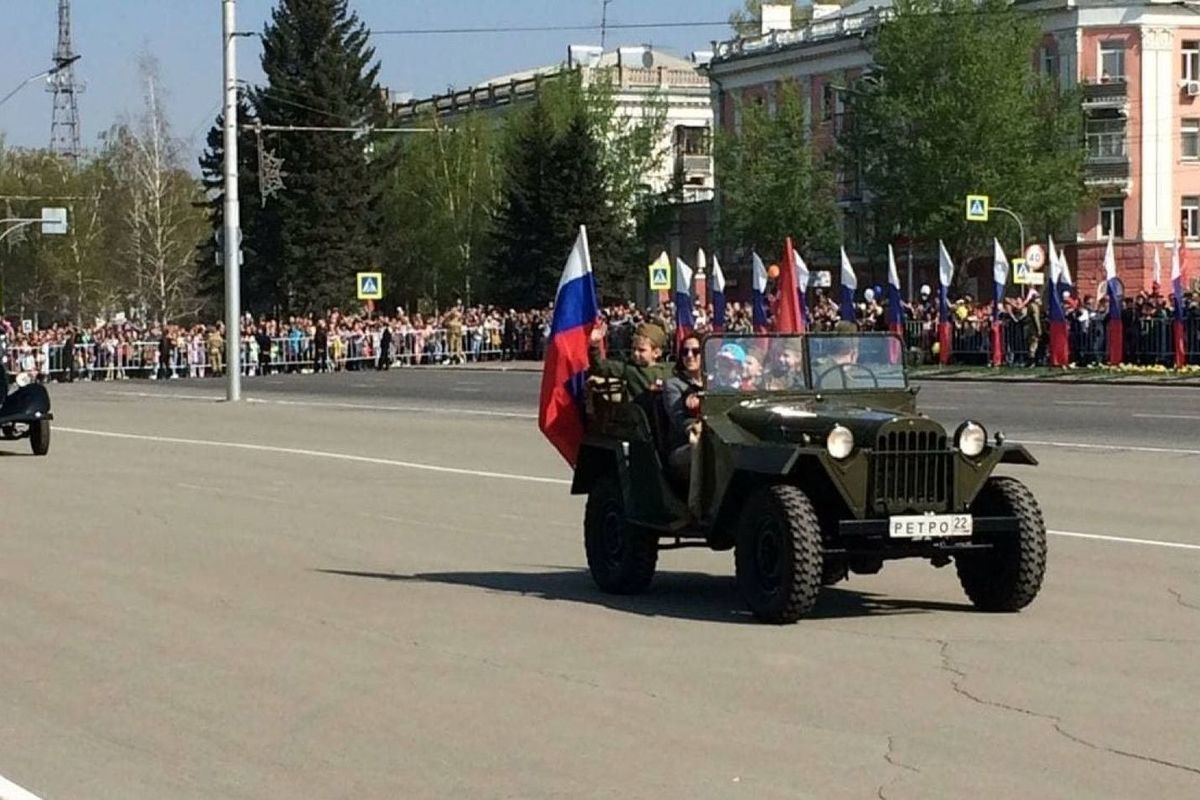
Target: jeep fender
(595,460)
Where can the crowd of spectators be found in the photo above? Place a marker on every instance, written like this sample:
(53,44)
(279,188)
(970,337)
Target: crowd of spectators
(116,350)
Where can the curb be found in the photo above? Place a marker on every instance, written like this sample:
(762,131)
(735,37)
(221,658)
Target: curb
(1190,383)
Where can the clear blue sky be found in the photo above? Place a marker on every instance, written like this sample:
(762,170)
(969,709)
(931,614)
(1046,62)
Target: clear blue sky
(185,36)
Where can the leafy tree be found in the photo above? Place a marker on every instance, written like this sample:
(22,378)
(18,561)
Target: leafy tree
(568,160)
(956,107)
(772,185)
(438,204)
(320,72)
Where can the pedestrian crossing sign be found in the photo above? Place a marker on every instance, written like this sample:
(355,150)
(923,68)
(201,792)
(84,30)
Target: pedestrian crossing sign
(1024,276)
(660,276)
(370,286)
(977,208)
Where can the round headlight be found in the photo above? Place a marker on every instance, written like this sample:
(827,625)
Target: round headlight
(840,443)
(23,379)
(972,438)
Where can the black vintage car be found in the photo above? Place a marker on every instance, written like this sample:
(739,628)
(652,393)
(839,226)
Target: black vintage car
(810,461)
(25,412)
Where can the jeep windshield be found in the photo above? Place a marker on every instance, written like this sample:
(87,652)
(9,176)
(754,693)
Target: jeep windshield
(748,364)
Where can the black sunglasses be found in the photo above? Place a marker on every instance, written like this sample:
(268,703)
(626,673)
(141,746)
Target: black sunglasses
(691,351)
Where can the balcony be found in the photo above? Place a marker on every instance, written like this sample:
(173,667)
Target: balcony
(694,165)
(1107,171)
(1112,94)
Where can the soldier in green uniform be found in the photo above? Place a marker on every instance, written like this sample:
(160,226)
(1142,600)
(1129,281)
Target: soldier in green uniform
(642,371)
(836,367)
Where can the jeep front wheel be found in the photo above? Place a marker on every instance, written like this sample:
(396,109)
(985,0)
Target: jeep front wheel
(1009,575)
(620,555)
(778,555)
(39,437)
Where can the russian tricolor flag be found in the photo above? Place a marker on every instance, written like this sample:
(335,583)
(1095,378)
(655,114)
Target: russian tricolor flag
(802,281)
(758,285)
(564,372)
(849,285)
(718,295)
(945,276)
(1177,291)
(999,284)
(1116,328)
(685,319)
(1059,350)
(895,307)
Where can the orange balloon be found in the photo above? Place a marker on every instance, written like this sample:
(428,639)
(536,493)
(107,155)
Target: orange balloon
(773,271)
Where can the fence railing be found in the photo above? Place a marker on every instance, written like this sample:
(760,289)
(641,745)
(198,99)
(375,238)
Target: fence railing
(196,357)
(1147,342)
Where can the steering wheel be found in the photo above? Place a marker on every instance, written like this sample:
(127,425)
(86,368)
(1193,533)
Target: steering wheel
(844,370)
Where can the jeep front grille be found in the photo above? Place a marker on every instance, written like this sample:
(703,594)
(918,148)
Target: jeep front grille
(911,471)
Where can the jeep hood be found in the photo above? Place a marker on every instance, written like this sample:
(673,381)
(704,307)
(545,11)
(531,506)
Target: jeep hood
(789,419)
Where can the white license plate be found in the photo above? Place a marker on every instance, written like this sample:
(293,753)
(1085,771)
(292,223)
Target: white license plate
(930,526)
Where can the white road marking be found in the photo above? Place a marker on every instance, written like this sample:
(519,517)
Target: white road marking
(486,474)
(1166,416)
(469,412)
(1115,448)
(1082,403)
(1125,540)
(10,791)
(295,451)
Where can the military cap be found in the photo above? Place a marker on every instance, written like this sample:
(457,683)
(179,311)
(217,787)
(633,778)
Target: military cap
(653,333)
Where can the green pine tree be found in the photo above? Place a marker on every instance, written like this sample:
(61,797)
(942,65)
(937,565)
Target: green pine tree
(320,72)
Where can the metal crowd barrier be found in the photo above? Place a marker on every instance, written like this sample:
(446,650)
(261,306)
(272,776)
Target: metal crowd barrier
(1147,342)
(192,357)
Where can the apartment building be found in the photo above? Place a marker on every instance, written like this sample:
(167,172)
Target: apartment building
(1137,65)
(641,76)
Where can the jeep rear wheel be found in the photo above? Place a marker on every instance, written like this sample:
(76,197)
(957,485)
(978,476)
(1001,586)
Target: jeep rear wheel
(778,555)
(1009,575)
(620,555)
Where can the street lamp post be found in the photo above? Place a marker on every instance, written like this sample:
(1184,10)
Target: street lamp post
(58,67)
(233,294)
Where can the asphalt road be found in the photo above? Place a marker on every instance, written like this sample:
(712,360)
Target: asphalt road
(373,585)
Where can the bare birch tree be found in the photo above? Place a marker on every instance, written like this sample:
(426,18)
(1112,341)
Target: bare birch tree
(164,224)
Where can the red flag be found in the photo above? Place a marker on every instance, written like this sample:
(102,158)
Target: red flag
(945,330)
(997,344)
(788,317)
(1116,340)
(1059,350)
(1180,344)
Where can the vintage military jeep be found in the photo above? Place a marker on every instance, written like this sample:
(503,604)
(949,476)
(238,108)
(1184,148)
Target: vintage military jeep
(809,460)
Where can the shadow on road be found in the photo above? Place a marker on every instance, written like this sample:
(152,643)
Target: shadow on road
(679,595)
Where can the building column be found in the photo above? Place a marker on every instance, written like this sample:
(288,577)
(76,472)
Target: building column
(1159,96)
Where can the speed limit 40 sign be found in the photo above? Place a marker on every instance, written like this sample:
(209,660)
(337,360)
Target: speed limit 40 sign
(1035,257)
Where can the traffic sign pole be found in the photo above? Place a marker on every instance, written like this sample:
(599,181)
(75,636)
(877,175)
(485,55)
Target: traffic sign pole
(233,279)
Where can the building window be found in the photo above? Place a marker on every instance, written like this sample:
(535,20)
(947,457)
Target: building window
(1191,60)
(1050,62)
(1112,62)
(1106,139)
(1190,138)
(1112,217)
(828,101)
(1189,222)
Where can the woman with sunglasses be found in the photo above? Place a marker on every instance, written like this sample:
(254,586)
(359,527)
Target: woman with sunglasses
(683,403)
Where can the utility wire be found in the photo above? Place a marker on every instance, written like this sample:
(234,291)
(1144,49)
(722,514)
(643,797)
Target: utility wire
(547,28)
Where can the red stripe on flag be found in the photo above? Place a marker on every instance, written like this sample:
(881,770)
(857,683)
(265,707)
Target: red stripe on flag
(944,342)
(564,375)
(1060,351)
(1180,345)
(997,344)
(1116,341)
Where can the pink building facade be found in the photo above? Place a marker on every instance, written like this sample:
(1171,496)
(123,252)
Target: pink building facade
(1138,68)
